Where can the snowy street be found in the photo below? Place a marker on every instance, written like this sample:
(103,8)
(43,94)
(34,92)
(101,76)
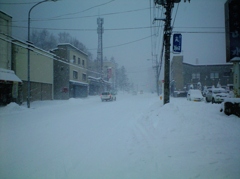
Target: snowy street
(134,137)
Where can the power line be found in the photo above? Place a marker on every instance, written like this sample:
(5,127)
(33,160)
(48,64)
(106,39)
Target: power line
(199,27)
(86,9)
(17,3)
(175,16)
(115,45)
(195,32)
(46,54)
(77,29)
(124,43)
(125,28)
(81,17)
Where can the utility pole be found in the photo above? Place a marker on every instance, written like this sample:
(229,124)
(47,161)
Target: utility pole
(100,48)
(157,76)
(100,44)
(167,37)
(168,5)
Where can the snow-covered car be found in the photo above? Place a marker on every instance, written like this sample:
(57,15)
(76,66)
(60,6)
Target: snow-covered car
(108,96)
(194,95)
(216,95)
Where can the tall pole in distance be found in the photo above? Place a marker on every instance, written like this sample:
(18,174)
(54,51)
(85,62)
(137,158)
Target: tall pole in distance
(28,59)
(157,76)
(100,46)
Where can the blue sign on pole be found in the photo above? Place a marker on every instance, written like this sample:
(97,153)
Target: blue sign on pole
(177,43)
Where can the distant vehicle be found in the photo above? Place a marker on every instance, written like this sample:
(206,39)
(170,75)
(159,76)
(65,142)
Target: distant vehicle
(108,96)
(180,94)
(216,95)
(194,95)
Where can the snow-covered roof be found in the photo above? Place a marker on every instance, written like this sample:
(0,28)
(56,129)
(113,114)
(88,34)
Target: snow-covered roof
(78,82)
(209,64)
(25,45)
(99,79)
(8,75)
(68,44)
(95,78)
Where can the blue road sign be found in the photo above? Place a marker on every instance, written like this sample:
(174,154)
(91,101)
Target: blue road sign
(177,43)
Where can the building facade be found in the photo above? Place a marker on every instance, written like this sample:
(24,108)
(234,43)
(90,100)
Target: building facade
(109,73)
(9,82)
(70,72)
(5,45)
(41,71)
(184,75)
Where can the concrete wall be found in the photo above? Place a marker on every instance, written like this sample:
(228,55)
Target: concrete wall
(177,72)
(5,45)
(41,71)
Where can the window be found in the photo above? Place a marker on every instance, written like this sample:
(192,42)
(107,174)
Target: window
(211,75)
(79,61)
(83,63)
(74,59)
(195,75)
(226,74)
(84,77)
(214,75)
(75,75)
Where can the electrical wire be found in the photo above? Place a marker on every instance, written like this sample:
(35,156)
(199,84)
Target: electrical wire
(84,17)
(123,43)
(46,54)
(85,9)
(127,28)
(175,16)
(197,32)
(17,3)
(77,29)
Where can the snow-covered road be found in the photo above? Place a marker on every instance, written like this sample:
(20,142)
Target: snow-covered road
(133,138)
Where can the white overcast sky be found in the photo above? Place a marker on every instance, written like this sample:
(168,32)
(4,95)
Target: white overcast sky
(127,36)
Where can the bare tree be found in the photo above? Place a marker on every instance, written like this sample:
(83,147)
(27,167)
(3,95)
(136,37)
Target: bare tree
(43,39)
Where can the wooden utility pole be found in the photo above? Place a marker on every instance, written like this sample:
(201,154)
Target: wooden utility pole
(168,5)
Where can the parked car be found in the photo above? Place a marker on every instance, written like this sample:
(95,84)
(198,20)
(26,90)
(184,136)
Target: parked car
(108,96)
(194,95)
(205,90)
(216,95)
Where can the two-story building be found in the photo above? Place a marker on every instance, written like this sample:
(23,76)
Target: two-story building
(70,72)
(184,75)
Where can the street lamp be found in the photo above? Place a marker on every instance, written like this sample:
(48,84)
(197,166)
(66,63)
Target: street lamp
(29,13)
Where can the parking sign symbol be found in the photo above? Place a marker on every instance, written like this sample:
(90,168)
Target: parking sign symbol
(177,43)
